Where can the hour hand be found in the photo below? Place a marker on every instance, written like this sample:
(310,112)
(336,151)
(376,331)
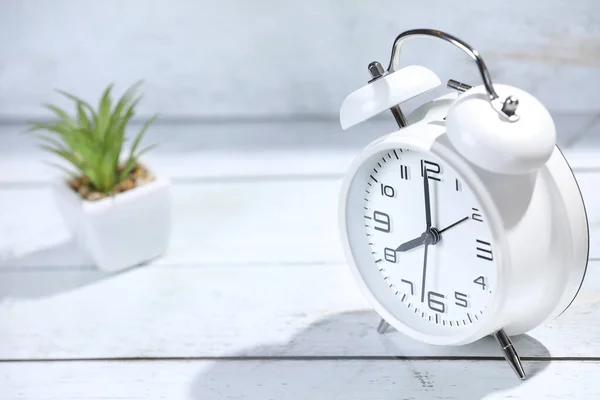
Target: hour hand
(411,244)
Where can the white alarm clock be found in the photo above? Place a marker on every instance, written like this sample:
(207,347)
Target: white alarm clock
(467,221)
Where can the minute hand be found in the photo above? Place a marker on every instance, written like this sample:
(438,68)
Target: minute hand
(427,201)
(427,229)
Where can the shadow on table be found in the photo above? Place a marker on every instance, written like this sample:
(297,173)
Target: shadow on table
(469,372)
(49,271)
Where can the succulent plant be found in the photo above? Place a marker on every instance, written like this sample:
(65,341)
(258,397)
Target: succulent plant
(92,140)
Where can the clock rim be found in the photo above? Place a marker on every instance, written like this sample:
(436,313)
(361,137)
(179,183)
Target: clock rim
(423,137)
(573,287)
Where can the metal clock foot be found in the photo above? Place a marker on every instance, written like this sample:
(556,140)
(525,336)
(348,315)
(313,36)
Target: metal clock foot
(510,353)
(383,326)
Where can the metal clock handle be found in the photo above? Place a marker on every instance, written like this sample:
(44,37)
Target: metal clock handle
(508,107)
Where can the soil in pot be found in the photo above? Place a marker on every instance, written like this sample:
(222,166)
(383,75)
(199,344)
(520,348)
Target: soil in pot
(139,176)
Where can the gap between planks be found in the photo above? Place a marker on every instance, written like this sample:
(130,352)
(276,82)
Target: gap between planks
(92,269)
(298,380)
(293,358)
(190,180)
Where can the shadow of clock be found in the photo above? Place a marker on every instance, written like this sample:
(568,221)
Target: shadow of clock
(342,356)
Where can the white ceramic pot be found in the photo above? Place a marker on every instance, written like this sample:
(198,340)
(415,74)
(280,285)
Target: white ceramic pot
(122,231)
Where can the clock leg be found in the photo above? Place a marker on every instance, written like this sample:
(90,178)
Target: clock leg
(383,326)
(510,353)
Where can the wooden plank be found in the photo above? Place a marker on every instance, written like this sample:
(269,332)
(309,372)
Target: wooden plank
(242,150)
(297,380)
(234,164)
(220,223)
(214,150)
(236,311)
(232,222)
(32,171)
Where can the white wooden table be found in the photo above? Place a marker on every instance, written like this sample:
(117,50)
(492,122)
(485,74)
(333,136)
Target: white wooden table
(253,299)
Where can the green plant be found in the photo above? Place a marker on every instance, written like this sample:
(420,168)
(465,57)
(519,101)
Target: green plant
(93,140)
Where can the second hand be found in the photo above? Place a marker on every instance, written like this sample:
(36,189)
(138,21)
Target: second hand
(453,225)
(424,273)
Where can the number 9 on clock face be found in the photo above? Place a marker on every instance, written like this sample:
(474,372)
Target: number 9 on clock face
(420,243)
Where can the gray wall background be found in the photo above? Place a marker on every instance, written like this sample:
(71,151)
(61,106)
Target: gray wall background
(228,59)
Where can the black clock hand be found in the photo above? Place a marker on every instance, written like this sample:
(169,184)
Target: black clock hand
(453,225)
(427,201)
(428,222)
(416,242)
(424,272)
(411,244)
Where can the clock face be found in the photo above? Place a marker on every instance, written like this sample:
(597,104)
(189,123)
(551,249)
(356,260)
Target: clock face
(427,252)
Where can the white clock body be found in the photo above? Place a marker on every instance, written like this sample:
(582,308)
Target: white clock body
(518,259)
